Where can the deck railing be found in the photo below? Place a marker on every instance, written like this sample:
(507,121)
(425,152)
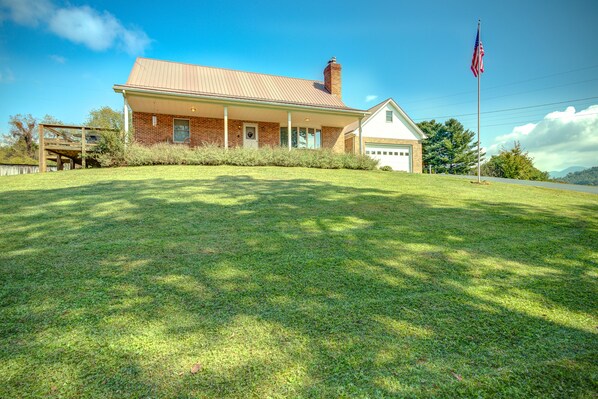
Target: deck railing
(70,142)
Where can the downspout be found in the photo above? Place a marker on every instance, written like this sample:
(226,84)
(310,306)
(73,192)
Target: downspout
(360,138)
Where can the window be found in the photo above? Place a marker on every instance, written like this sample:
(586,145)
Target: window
(388,116)
(311,138)
(396,153)
(384,153)
(301,137)
(181,133)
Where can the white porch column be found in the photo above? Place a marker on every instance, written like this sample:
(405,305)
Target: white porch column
(289,129)
(226,127)
(360,139)
(126,114)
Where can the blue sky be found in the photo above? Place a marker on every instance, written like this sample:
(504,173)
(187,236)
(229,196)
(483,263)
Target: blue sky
(62,58)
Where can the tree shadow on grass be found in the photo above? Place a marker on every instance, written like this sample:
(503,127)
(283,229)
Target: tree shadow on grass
(293,288)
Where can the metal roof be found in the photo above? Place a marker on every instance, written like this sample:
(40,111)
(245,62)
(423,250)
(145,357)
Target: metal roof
(167,76)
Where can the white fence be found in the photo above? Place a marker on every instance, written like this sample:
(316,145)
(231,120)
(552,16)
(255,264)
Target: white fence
(8,170)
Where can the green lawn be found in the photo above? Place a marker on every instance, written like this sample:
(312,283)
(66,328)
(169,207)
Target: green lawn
(294,283)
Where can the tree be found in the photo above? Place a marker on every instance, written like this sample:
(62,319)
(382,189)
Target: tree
(588,177)
(513,164)
(50,120)
(449,148)
(23,133)
(105,117)
(431,146)
(21,143)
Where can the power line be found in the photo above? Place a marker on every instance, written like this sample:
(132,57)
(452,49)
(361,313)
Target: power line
(542,88)
(519,93)
(526,113)
(504,85)
(511,109)
(543,77)
(516,123)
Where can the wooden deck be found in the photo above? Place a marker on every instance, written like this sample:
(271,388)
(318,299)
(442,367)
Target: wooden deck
(67,144)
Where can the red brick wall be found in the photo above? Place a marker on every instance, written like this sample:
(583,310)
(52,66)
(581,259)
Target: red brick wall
(211,130)
(268,134)
(349,145)
(332,137)
(203,130)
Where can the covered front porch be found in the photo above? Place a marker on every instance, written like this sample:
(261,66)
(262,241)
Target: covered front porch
(194,121)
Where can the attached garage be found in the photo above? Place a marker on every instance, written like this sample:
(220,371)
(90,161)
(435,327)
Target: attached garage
(398,157)
(389,136)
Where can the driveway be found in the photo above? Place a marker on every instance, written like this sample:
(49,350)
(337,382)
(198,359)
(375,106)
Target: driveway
(545,184)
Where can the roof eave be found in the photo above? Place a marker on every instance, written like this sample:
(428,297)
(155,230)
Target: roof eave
(240,101)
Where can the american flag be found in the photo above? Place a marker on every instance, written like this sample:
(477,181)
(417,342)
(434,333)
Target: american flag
(477,62)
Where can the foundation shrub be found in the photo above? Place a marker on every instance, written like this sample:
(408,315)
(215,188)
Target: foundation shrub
(168,154)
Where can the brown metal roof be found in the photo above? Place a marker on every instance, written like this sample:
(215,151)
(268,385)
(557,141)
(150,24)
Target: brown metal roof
(218,82)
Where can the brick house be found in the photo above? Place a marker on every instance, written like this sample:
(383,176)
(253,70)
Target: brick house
(191,104)
(195,105)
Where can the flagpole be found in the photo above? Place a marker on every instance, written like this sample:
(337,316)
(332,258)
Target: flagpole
(478,67)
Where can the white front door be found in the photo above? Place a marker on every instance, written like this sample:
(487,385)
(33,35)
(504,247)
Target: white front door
(250,135)
(398,157)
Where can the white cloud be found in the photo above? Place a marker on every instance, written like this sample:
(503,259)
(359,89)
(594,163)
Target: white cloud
(84,25)
(58,58)
(370,98)
(561,139)
(134,41)
(25,12)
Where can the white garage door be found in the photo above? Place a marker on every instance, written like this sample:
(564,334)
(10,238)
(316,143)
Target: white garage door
(398,157)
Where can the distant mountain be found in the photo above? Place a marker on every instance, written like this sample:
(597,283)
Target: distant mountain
(562,173)
(589,177)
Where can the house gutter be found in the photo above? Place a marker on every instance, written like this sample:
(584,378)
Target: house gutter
(237,101)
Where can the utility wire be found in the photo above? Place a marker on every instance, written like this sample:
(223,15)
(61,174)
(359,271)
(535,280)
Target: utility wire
(504,85)
(516,123)
(511,109)
(518,93)
(526,113)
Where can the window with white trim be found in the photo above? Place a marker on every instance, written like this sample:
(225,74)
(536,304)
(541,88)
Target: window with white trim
(301,137)
(181,132)
(388,116)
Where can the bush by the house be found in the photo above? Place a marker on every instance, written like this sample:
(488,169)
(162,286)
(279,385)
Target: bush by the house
(110,153)
(110,149)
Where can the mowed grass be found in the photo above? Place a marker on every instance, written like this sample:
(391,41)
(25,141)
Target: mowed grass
(298,283)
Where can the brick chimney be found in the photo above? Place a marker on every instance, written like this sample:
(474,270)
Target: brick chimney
(332,78)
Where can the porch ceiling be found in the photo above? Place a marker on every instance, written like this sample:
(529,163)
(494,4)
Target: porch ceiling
(183,107)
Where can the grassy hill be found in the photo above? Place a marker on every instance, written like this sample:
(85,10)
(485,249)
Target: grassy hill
(291,282)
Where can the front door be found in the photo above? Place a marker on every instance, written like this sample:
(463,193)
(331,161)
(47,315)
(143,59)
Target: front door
(250,135)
